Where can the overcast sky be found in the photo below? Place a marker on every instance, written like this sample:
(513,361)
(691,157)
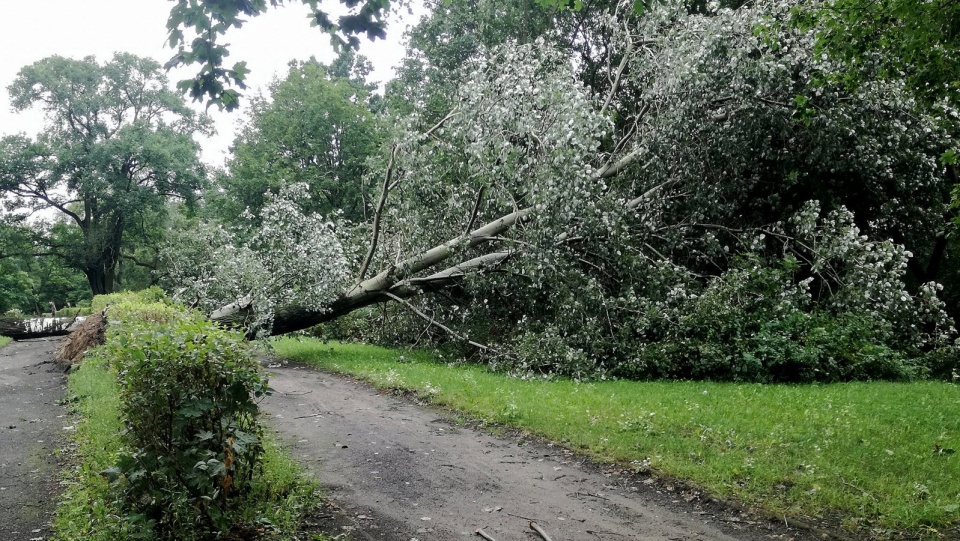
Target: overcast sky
(32,30)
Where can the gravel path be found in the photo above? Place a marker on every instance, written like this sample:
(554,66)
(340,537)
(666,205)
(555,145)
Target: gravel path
(31,428)
(405,472)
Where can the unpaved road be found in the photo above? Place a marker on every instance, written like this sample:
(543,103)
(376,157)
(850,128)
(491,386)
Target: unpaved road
(31,429)
(404,473)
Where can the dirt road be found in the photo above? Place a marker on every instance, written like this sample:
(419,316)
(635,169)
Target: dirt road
(31,428)
(405,472)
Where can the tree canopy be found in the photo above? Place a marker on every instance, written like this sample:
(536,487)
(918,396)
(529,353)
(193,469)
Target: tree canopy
(314,128)
(117,146)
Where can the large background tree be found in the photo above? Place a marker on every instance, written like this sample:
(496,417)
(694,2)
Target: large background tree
(117,146)
(315,127)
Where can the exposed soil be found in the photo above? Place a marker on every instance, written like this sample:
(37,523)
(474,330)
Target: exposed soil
(399,471)
(32,428)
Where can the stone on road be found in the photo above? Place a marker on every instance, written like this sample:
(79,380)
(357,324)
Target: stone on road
(32,423)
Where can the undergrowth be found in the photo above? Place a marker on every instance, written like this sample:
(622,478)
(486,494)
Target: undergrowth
(882,455)
(4,341)
(97,505)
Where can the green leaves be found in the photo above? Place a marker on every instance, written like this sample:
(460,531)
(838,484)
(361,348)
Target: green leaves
(188,393)
(210,19)
(117,144)
(317,129)
(895,39)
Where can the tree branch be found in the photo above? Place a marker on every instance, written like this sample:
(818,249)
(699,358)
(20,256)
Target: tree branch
(623,65)
(139,263)
(476,208)
(435,323)
(378,217)
(610,170)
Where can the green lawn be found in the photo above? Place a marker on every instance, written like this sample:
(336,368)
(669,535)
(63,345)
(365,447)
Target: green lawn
(4,341)
(881,454)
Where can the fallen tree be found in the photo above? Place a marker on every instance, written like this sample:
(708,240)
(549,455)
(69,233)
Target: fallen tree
(676,239)
(395,281)
(42,327)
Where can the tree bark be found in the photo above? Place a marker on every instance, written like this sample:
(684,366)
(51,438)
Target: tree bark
(25,329)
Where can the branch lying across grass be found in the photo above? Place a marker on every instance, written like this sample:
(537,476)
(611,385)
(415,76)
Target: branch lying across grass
(790,450)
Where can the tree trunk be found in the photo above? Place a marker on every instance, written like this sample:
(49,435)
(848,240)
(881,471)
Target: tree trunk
(399,280)
(396,280)
(101,276)
(25,329)
(97,281)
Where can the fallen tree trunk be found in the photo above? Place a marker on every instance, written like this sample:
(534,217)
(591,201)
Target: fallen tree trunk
(41,327)
(399,281)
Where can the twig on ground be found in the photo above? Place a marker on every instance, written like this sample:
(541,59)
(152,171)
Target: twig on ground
(536,527)
(524,518)
(598,496)
(308,416)
(484,535)
(855,487)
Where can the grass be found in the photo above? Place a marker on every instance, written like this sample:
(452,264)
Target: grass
(4,341)
(880,455)
(277,505)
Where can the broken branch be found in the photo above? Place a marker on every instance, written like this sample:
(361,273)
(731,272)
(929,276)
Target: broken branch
(378,217)
(484,535)
(536,527)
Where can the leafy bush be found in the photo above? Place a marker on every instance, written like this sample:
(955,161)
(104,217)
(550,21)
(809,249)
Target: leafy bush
(809,299)
(192,442)
(146,296)
(817,302)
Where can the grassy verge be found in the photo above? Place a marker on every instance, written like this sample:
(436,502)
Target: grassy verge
(4,341)
(276,507)
(881,454)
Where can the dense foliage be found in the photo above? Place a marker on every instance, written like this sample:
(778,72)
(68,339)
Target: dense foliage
(286,257)
(35,284)
(116,148)
(767,221)
(188,398)
(315,128)
(689,190)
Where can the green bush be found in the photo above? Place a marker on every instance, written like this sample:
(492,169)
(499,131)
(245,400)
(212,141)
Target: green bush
(145,296)
(758,322)
(192,442)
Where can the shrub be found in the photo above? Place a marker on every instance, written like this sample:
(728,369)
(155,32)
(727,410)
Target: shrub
(192,442)
(146,296)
